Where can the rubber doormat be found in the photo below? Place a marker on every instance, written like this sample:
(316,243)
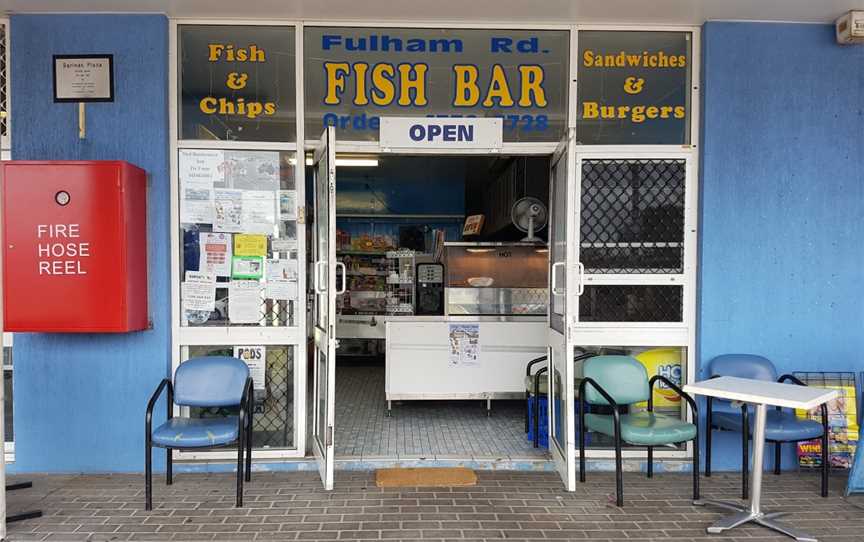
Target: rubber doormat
(425,477)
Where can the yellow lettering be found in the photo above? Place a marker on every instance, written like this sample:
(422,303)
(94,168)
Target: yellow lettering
(498,88)
(666,110)
(467,91)
(532,83)
(215,51)
(590,110)
(588,58)
(652,112)
(680,112)
(383,90)
(269,108)
(418,83)
(638,114)
(336,72)
(360,69)
(207,105)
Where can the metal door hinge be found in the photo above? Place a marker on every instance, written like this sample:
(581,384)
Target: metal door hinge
(328,438)
(301,215)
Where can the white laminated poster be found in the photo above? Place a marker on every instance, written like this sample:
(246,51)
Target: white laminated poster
(244,301)
(215,250)
(198,291)
(199,170)
(287,205)
(253,170)
(228,210)
(464,345)
(283,244)
(256,358)
(259,211)
(281,279)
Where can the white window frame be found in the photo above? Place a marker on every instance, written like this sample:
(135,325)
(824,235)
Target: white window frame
(183,336)
(684,335)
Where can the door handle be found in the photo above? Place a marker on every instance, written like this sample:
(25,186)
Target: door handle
(580,288)
(555,290)
(317,275)
(344,278)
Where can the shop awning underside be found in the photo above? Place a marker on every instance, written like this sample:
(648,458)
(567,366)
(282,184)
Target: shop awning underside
(501,11)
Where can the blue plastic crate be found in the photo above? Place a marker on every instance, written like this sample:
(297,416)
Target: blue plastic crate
(543,422)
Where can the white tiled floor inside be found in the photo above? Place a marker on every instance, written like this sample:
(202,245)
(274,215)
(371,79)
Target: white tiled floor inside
(423,429)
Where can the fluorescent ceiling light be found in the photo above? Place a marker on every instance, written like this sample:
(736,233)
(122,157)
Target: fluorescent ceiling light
(351,162)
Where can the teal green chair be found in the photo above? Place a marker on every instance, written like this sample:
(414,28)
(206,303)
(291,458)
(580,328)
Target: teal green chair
(618,382)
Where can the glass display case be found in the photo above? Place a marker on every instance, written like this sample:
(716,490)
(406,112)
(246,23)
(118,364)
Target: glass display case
(496,279)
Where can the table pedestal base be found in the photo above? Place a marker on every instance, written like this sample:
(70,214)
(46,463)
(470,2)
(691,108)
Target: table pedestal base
(743,515)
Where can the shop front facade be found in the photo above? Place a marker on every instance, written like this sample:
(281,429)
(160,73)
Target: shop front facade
(728,153)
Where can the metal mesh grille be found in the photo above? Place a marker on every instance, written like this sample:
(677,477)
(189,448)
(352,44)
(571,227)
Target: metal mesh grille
(3,82)
(273,421)
(632,216)
(631,304)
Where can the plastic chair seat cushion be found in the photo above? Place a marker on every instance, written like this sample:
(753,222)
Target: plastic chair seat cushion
(781,425)
(196,432)
(645,428)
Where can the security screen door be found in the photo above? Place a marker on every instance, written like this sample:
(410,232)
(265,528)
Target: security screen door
(324,283)
(562,441)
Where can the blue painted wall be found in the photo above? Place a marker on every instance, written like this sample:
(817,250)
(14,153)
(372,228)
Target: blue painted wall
(80,399)
(782,201)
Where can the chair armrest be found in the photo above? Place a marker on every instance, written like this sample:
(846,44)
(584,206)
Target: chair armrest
(539,372)
(674,387)
(584,356)
(244,399)
(532,363)
(792,379)
(600,390)
(166,382)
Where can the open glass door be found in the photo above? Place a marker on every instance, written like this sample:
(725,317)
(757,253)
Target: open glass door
(562,429)
(324,284)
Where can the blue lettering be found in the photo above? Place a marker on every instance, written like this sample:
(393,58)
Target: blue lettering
(417,132)
(449,132)
(466,133)
(531,45)
(433,132)
(329,40)
(502,45)
(331,119)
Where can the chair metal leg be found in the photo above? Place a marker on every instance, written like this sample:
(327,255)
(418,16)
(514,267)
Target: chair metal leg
(240,441)
(745,456)
(619,468)
(696,464)
(169,466)
(825,444)
(650,461)
(249,440)
(148,474)
(708,431)
(777,457)
(581,440)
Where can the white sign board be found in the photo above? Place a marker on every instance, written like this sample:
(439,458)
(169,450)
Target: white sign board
(412,133)
(83,78)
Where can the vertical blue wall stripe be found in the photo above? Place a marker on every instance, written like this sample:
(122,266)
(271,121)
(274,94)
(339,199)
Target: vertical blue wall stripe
(80,399)
(782,200)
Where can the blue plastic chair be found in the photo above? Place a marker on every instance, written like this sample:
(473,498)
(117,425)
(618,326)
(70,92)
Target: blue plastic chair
(780,426)
(619,381)
(212,381)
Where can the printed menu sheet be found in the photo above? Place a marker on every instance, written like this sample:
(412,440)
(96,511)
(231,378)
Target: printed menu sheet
(215,253)
(464,345)
(199,171)
(244,301)
(198,291)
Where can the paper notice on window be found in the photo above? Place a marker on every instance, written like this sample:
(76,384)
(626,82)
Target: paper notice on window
(199,170)
(259,211)
(283,244)
(228,205)
(256,358)
(281,279)
(464,345)
(247,267)
(198,291)
(244,302)
(215,253)
(253,170)
(288,205)
(250,245)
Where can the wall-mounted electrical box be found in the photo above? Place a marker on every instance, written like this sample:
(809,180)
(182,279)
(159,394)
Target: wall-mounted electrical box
(850,28)
(74,246)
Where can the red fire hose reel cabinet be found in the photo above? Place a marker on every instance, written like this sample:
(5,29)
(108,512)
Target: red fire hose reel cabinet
(74,246)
